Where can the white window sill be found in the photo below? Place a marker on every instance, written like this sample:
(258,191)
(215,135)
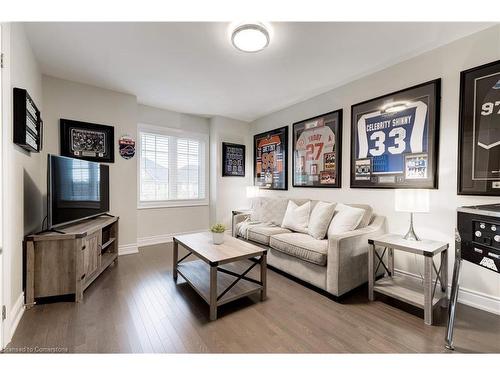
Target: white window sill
(171,204)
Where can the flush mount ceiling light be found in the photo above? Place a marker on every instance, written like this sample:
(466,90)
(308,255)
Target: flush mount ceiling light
(250,37)
(395,107)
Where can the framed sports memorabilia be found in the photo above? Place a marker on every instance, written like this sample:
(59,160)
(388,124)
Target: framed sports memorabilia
(233,160)
(270,159)
(84,140)
(395,139)
(317,151)
(479,131)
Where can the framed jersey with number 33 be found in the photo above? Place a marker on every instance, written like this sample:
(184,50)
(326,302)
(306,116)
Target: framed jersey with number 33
(395,139)
(479,131)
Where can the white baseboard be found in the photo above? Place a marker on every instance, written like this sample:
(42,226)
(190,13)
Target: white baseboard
(14,317)
(162,238)
(130,248)
(469,297)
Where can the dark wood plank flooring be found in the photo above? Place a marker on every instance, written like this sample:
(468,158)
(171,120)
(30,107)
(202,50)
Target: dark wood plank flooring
(135,307)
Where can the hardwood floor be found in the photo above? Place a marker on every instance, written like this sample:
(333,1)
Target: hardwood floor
(136,307)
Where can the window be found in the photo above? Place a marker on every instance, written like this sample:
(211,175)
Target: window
(173,167)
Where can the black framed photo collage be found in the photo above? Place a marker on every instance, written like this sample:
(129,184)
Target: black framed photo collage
(394,141)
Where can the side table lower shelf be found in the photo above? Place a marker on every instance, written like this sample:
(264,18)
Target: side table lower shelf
(425,294)
(406,289)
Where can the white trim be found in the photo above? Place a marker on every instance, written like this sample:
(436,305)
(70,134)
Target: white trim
(176,132)
(14,317)
(144,205)
(162,238)
(469,297)
(127,249)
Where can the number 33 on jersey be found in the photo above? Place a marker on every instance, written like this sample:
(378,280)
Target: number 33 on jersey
(387,136)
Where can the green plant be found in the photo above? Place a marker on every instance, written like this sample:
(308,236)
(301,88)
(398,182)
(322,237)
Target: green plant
(218,228)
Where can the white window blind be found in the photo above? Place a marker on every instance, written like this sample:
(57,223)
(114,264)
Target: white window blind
(172,167)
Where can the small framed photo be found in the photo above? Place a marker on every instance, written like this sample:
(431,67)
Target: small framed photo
(233,160)
(270,159)
(317,151)
(84,140)
(395,139)
(479,131)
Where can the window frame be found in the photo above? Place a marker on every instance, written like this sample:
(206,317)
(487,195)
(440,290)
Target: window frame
(173,132)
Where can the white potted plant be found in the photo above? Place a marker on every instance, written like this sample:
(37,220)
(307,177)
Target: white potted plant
(218,233)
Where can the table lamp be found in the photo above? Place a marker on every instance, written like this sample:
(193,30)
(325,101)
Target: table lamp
(412,201)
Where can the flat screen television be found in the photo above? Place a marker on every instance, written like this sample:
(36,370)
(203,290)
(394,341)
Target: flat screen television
(77,189)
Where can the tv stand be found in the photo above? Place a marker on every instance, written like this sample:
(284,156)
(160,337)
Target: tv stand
(61,263)
(106,214)
(49,231)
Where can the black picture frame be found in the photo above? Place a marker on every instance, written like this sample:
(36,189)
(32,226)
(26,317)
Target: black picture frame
(71,129)
(319,173)
(409,161)
(233,155)
(278,140)
(472,180)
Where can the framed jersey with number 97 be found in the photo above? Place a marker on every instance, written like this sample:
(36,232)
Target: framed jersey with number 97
(395,139)
(479,131)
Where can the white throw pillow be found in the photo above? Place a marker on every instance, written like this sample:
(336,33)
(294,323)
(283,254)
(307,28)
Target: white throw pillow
(320,219)
(297,217)
(346,218)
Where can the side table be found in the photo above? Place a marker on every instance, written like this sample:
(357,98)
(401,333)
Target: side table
(405,288)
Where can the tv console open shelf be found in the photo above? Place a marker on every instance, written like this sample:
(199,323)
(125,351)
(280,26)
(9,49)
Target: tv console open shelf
(61,264)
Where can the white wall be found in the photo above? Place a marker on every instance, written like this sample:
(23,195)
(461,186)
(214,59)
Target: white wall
(21,169)
(227,193)
(445,62)
(75,101)
(155,224)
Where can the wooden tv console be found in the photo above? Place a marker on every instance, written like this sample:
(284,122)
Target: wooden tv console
(61,264)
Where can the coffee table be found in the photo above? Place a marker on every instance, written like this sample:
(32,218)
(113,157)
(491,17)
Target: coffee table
(215,284)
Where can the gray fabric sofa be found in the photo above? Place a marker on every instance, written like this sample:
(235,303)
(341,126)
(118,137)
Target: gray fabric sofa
(336,264)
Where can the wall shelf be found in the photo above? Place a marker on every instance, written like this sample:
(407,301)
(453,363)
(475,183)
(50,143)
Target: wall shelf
(27,122)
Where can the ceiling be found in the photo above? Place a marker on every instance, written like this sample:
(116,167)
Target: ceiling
(193,68)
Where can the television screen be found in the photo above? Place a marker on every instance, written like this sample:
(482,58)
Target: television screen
(77,189)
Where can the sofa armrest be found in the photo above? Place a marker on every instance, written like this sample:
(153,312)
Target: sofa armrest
(347,259)
(238,218)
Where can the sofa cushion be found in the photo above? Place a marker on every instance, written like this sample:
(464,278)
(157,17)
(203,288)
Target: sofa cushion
(260,233)
(269,210)
(321,215)
(367,217)
(302,246)
(346,218)
(297,217)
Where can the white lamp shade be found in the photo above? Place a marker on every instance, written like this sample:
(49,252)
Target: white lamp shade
(411,200)
(252,191)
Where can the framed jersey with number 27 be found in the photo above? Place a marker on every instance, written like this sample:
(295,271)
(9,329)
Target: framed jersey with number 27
(395,139)
(317,151)
(479,131)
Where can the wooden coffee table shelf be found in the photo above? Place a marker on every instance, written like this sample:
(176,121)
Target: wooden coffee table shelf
(197,274)
(220,275)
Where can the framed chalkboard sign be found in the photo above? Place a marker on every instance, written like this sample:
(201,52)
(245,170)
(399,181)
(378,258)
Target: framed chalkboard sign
(233,160)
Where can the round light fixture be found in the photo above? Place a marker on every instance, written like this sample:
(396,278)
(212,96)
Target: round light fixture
(250,37)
